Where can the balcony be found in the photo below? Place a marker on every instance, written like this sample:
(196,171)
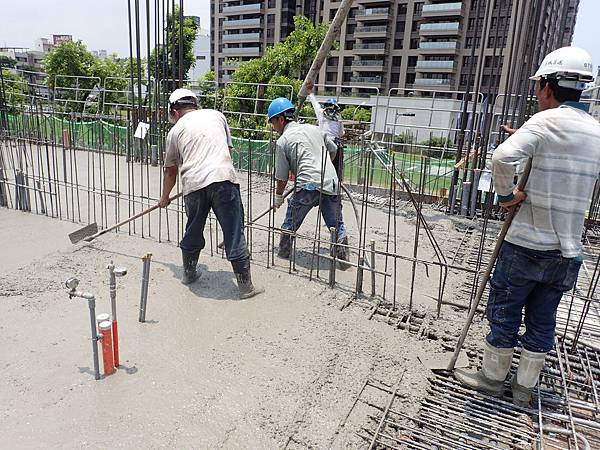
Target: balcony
(242,51)
(376,31)
(441,28)
(433,82)
(252,8)
(371,65)
(372,14)
(242,23)
(365,80)
(241,37)
(444,47)
(442,10)
(435,66)
(369,49)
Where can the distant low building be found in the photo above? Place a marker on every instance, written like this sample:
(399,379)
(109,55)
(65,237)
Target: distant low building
(201,52)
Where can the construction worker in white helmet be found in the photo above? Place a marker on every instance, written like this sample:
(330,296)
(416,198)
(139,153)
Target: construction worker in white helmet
(199,146)
(542,253)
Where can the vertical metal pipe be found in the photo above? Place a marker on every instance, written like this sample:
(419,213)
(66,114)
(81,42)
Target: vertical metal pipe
(332,253)
(92,307)
(372,245)
(145,281)
(464,198)
(154,155)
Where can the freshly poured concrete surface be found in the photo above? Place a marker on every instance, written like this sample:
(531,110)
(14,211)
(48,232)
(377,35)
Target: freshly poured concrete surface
(205,371)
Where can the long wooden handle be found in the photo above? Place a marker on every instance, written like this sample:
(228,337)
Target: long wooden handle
(488,271)
(131,219)
(332,34)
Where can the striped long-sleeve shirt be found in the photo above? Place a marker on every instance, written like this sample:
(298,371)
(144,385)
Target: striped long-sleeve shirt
(564,144)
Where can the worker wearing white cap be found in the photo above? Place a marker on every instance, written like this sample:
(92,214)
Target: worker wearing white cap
(199,146)
(542,253)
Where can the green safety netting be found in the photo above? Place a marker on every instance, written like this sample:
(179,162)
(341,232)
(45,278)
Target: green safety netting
(248,153)
(98,134)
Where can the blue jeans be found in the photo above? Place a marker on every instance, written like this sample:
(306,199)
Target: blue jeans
(225,200)
(301,202)
(530,279)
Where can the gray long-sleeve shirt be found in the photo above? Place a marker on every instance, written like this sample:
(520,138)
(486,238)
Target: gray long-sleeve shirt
(305,151)
(564,144)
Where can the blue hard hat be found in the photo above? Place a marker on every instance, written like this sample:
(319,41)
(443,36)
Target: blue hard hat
(279,106)
(331,101)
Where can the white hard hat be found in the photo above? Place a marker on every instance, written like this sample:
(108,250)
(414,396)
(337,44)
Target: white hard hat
(178,94)
(572,66)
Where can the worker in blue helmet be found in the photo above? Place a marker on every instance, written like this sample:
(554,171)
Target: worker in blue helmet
(306,152)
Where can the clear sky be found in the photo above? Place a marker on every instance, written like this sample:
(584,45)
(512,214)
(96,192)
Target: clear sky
(103,24)
(587,34)
(99,24)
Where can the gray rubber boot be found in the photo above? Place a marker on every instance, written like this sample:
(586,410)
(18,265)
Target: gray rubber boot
(244,279)
(528,373)
(189,267)
(342,254)
(285,246)
(490,378)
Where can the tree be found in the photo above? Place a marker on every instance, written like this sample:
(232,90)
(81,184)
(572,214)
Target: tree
(209,96)
(359,114)
(13,91)
(272,75)
(164,60)
(7,61)
(81,76)
(70,59)
(437,141)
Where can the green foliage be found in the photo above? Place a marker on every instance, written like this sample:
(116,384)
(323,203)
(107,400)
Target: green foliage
(363,115)
(290,58)
(210,96)
(280,67)
(437,141)
(7,61)
(359,114)
(404,138)
(165,59)
(15,89)
(71,59)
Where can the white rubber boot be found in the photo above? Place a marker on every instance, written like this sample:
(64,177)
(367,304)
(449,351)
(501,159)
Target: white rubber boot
(490,378)
(528,373)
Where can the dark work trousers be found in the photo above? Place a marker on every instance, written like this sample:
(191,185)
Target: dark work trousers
(301,202)
(226,202)
(530,280)
(338,164)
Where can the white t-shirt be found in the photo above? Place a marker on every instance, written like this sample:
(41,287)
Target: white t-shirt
(199,145)
(564,144)
(333,128)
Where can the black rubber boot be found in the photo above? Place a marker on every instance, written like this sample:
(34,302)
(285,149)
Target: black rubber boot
(285,246)
(244,279)
(189,267)
(342,254)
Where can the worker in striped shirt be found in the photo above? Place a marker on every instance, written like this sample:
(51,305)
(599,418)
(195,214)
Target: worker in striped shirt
(542,252)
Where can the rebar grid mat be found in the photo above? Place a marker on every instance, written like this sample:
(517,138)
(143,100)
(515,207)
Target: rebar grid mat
(564,413)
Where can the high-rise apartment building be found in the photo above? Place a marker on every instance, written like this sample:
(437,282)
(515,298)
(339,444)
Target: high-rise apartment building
(242,29)
(404,44)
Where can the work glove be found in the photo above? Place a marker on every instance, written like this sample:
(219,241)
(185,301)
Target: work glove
(278,201)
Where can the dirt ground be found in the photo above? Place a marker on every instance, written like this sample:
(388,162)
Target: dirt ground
(204,371)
